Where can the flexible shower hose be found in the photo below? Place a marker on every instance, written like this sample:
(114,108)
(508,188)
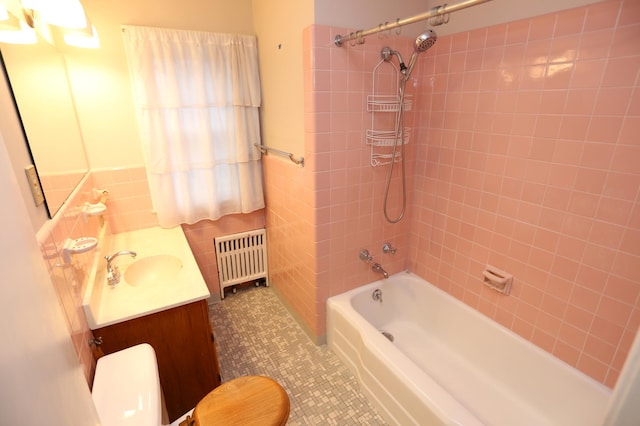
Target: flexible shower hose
(399,136)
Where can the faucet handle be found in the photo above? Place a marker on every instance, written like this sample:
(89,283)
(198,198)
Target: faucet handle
(113,276)
(365,256)
(388,248)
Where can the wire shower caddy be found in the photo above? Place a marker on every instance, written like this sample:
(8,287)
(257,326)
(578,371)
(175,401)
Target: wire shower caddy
(385,113)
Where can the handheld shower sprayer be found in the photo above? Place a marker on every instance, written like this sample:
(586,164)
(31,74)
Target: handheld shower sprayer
(422,43)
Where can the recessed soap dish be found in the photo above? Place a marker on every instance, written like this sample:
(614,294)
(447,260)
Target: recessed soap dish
(497,279)
(79,245)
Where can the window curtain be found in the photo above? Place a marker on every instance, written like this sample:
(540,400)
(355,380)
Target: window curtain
(197,96)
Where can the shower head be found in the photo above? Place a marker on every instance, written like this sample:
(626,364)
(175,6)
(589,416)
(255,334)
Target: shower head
(423,42)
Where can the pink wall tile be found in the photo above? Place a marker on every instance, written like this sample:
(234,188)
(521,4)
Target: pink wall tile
(515,159)
(578,197)
(129,204)
(523,156)
(70,280)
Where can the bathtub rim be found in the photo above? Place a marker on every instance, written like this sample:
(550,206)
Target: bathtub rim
(343,302)
(439,401)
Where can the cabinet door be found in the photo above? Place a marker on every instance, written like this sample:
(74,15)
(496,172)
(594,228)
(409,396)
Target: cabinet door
(182,339)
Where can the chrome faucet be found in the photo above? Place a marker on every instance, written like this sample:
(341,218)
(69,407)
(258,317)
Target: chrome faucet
(378,268)
(365,256)
(388,248)
(113,274)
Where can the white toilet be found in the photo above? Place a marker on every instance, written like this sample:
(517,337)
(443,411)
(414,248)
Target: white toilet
(126,392)
(126,388)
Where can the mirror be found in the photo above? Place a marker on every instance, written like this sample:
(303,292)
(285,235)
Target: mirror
(38,77)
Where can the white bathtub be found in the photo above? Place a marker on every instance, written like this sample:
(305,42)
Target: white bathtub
(451,365)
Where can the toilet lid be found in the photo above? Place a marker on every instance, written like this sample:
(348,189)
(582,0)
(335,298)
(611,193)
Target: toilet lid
(249,400)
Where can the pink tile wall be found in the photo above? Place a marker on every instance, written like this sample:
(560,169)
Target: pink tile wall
(522,156)
(129,201)
(529,162)
(58,187)
(319,217)
(70,280)
(348,192)
(291,235)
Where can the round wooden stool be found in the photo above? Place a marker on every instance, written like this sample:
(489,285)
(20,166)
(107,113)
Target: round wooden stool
(249,400)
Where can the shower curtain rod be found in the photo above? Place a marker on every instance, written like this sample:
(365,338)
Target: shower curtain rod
(434,12)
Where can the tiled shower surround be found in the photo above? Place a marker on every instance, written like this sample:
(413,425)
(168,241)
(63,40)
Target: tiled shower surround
(529,163)
(523,155)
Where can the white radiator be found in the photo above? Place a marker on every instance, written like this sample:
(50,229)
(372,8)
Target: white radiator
(241,258)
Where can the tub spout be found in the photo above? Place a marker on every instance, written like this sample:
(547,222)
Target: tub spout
(378,268)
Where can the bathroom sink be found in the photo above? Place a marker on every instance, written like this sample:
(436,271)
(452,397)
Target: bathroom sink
(152,269)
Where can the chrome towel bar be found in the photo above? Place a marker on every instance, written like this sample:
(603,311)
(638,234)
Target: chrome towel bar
(265,150)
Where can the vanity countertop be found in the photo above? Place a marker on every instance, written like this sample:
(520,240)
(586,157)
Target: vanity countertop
(105,305)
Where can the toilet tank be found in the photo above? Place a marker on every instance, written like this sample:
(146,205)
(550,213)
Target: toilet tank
(126,388)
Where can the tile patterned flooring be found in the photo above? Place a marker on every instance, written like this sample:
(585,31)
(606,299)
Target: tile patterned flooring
(256,335)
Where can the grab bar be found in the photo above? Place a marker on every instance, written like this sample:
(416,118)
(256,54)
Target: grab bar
(265,150)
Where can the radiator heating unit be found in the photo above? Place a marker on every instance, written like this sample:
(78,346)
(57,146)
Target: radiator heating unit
(241,258)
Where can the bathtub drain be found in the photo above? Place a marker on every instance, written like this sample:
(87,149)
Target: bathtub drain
(387,335)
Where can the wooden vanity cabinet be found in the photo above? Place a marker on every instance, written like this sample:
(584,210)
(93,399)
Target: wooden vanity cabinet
(182,338)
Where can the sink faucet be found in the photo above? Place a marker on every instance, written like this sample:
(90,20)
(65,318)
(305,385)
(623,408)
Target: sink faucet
(113,275)
(378,268)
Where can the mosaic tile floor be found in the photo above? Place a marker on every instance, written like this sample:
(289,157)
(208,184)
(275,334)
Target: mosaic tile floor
(256,335)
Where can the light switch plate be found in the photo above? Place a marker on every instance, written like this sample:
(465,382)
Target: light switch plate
(34,184)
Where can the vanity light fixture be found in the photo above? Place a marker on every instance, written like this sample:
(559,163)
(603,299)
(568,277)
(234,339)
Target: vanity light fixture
(20,33)
(61,13)
(16,24)
(19,18)
(85,37)
(12,29)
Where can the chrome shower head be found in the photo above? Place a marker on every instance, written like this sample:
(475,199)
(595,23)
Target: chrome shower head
(423,42)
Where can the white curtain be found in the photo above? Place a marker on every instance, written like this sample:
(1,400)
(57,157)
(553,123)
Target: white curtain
(197,96)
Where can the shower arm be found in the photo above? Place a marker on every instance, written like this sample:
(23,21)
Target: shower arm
(434,12)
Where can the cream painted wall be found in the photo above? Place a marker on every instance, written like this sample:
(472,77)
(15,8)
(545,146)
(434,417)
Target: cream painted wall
(100,77)
(279,25)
